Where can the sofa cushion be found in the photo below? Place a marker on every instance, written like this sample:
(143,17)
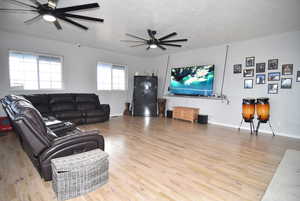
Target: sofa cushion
(68,115)
(92,98)
(59,107)
(86,106)
(43,109)
(61,98)
(38,99)
(95,113)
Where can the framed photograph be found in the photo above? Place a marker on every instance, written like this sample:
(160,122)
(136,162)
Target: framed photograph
(274,76)
(273,64)
(237,68)
(298,76)
(260,67)
(272,88)
(248,72)
(260,79)
(250,61)
(287,69)
(286,83)
(248,83)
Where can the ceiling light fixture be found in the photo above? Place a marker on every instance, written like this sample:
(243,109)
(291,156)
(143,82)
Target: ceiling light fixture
(153,46)
(49,18)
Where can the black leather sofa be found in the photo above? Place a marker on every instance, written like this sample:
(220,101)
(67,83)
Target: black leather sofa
(77,108)
(39,142)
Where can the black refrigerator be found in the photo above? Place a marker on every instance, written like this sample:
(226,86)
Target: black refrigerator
(145,96)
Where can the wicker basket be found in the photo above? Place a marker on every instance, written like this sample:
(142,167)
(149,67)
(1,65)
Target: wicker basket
(79,174)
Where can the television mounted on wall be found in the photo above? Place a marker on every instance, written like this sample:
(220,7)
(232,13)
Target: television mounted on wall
(193,80)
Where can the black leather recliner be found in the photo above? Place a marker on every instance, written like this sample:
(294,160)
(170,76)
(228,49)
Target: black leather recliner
(77,108)
(39,142)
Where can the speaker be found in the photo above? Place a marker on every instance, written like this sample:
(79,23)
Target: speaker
(169,113)
(202,119)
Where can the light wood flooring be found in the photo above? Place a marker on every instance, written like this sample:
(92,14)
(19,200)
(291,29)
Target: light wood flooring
(157,159)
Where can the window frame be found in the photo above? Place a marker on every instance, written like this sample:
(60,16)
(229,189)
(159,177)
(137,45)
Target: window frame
(111,77)
(37,54)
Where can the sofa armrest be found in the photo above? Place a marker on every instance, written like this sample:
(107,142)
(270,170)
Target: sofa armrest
(105,108)
(77,142)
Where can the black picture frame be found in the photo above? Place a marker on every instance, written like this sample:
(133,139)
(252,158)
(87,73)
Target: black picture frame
(260,67)
(260,78)
(273,88)
(286,83)
(273,64)
(298,76)
(250,61)
(237,68)
(248,84)
(274,76)
(248,72)
(287,69)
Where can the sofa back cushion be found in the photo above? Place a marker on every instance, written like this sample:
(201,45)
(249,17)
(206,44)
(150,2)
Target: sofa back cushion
(40,102)
(85,102)
(62,102)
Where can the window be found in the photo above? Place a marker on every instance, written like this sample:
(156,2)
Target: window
(111,77)
(32,71)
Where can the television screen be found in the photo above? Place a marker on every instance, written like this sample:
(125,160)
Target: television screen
(195,80)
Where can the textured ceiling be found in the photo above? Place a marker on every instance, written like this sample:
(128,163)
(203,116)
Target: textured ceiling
(204,22)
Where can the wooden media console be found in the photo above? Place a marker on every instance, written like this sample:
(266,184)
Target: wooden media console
(185,113)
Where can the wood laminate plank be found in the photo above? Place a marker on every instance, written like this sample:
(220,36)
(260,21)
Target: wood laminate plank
(161,159)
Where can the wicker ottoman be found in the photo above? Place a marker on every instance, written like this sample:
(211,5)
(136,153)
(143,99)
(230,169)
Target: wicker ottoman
(78,174)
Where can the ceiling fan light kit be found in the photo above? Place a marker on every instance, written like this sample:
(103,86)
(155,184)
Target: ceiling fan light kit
(154,42)
(50,13)
(153,46)
(49,18)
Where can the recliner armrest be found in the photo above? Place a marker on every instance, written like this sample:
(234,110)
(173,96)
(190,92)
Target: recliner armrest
(62,144)
(105,108)
(77,142)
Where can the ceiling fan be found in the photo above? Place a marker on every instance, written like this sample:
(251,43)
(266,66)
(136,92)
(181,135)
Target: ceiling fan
(50,13)
(154,42)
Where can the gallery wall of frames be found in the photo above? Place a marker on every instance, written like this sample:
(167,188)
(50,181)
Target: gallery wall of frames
(271,73)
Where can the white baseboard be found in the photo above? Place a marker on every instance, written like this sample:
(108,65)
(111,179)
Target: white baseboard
(116,115)
(246,128)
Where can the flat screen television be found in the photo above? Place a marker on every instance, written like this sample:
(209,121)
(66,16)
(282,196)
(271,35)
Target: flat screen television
(194,80)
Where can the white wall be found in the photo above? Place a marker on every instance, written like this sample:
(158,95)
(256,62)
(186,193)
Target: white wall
(79,73)
(285,115)
(79,67)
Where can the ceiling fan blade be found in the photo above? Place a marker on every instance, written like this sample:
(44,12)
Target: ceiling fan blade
(32,20)
(168,36)
(16,10)
(136,37)
(20,3)
(161,47)
(150,33)
(57,25)
(36,2)
(174,45)
(72,22)
(82,17)
(75,8)
(137,45)
(131,41)
(171,41)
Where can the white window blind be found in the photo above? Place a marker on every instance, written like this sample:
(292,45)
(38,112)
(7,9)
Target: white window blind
(111,77)
(32,71)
